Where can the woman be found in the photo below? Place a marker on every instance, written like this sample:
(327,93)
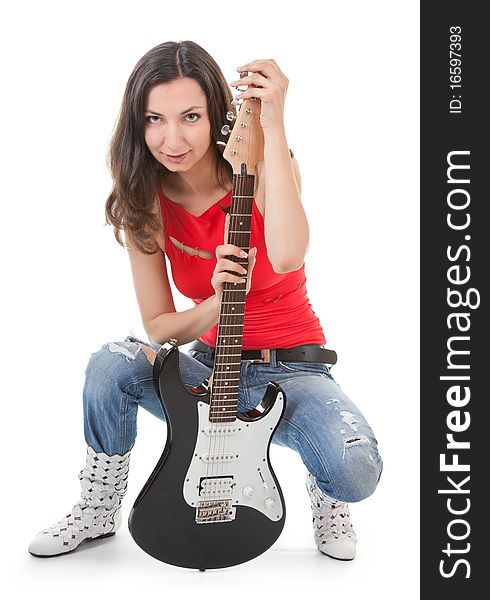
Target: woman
(171,195)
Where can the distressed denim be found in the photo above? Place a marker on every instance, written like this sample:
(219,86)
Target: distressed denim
(332,437)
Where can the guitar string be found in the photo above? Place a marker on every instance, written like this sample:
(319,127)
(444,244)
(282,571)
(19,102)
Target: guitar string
(224,397)
(220,441)
(243,240)
(222,447)
(220,359)
(237,294)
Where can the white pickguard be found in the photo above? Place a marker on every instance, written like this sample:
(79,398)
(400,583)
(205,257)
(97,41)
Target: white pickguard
(230,464)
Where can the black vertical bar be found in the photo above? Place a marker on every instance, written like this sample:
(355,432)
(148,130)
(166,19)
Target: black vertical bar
(455,261)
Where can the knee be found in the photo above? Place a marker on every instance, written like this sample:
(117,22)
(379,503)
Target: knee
(112,366)
(362,467)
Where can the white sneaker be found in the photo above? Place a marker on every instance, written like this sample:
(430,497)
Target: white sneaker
(97,514)
(333,531)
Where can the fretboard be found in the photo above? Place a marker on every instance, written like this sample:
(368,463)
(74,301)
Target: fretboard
(227,362)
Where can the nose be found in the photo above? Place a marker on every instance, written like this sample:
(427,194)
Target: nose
(173,138)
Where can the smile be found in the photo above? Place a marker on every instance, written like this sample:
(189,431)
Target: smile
(178,157)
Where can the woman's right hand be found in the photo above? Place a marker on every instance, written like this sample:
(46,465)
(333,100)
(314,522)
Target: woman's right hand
(223,265)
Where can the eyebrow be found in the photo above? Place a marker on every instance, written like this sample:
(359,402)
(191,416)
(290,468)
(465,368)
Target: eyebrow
(154,112)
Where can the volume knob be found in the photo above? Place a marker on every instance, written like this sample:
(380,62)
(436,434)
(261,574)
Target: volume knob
(248,491)
(269,502)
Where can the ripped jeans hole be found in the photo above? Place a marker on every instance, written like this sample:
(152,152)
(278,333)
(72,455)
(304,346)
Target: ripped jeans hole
(361,440)
(131,348)
(149,353)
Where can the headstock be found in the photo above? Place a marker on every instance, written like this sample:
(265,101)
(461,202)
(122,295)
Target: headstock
(246,142)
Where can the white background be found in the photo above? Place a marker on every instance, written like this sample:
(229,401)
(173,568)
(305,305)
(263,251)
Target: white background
(352,119)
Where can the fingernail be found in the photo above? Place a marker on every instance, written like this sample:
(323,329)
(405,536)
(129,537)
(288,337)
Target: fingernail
(243,254)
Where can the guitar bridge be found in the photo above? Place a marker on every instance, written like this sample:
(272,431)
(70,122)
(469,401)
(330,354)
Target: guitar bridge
(215,512)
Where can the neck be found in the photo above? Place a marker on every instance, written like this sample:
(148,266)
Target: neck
(198,181)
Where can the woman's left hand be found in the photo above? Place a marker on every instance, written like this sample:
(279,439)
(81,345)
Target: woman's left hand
(267,82)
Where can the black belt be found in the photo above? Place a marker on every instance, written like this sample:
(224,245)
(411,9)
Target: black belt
(308,353)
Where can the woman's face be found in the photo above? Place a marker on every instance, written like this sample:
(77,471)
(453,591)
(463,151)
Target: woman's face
(177,127)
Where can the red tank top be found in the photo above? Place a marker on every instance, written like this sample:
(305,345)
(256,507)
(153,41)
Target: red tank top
(278,313)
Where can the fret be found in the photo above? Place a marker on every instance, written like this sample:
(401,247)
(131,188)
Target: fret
(230,345)
(222,416)
(226,374)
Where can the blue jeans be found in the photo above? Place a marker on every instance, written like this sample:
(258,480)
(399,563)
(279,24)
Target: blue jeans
(320,422)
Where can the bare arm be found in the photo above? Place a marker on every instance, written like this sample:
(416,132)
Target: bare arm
(279,193)
(160,319)
(154,295)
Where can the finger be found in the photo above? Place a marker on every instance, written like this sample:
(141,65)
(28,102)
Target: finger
(253,92)
(256,79)
(252,255)
(267,67)
(229,249)
(227,227)
(224,264)
(252,258)
(225,276)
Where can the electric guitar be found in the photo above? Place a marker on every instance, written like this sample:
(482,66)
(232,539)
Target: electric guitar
(213,499)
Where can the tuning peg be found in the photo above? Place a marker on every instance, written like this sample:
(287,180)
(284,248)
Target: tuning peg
(220,143)
(235,102)
(230,116)
(225,130)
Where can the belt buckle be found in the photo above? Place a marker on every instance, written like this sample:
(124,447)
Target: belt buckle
(265,357)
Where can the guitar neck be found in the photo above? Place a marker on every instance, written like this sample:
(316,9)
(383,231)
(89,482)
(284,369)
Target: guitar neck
(227,362)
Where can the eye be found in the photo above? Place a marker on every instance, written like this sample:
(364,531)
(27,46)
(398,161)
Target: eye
(149,117)
(193,115)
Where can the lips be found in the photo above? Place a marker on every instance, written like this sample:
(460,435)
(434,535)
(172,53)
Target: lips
(176,155)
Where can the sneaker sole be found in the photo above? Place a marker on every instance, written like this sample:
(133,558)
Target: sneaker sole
(337,558)
(100,537)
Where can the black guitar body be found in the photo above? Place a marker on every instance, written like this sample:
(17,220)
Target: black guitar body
(162,522)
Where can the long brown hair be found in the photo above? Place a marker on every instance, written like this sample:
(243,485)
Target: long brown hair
(135,172)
